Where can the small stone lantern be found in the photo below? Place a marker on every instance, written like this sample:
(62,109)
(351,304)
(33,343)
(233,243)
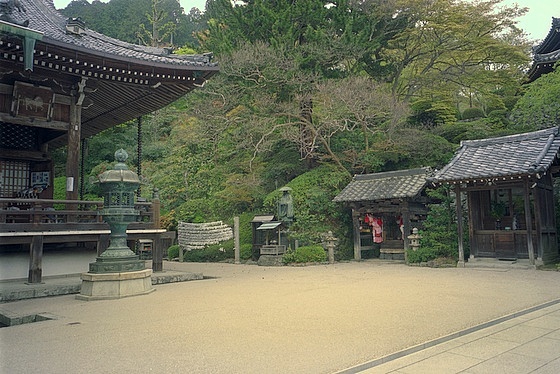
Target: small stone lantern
(414,239)
(330,242)
(117,272)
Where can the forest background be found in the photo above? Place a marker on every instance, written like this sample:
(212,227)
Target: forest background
(311,92)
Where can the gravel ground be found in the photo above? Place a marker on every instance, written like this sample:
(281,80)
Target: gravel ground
(252,319)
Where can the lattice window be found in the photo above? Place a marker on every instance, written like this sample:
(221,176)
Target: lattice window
(14,177)
(17,137)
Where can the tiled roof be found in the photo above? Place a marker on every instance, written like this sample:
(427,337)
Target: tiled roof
(547,52)
(388,185)
(506,156)
(43,17)
(552,41)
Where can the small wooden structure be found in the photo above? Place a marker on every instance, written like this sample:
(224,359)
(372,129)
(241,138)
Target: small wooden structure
(61,83)
(508,183)
(267,236)
(385,208)
(547,53)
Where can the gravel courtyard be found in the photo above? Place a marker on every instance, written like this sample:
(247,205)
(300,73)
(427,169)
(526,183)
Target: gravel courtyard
(252,319)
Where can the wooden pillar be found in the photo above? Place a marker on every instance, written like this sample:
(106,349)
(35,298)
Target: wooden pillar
(537,196)
(35,259)
(529,223)
(406,231)
(406,228)
(356,231)
(237,242)
(471,219)
(156,206)
(73,155)
(459,210)
(157,253)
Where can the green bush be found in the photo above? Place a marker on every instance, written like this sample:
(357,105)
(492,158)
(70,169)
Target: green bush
(439,236)
(472,113)
(173,252)
(246,251)
(420,255)
(310,253)
(212,253)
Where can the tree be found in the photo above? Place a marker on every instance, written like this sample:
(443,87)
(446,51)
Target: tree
(539,107)
(159,29)
(455,47)
(156,21)
(320,40)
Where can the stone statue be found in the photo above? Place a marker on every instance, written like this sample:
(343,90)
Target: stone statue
(286,206)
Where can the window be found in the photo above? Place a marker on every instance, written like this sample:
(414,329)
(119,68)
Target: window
(14,177)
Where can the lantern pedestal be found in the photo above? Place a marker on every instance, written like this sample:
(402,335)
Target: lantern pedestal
(106,286)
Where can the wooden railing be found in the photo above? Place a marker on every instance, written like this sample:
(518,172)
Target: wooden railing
(30,214)
(35,222)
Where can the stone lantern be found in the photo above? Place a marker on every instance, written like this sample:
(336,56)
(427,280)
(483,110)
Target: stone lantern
(117,272)
(330,241)
(414,239)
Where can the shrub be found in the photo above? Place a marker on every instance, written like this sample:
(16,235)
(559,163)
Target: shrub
(439,237)
(429,114)
(246,251)
(212,253)
(472,113)
(420,255)
(173,252)
(310,253)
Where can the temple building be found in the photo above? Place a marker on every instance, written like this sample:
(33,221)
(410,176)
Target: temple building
(547,53)
(508,183)
(385,208)
(61,83)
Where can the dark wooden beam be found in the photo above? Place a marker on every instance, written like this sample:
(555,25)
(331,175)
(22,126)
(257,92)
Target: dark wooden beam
(73,155)
(459,210)
(35,259)
(24,155)
(529,223)
(356,231)
(34,122)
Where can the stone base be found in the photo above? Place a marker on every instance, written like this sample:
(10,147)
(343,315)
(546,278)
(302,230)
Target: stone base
(106,286)
(392,254)
(269,260)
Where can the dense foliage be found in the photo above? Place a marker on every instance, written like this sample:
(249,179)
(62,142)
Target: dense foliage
(311,253)
(311,92)
(149,22)
(439,235)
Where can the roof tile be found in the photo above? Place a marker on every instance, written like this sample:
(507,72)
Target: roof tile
(512,155)
(388,185)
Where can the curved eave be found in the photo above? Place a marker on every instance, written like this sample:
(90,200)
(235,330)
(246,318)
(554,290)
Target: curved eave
(379,198)
(166,63)
(486,179)
(552,40)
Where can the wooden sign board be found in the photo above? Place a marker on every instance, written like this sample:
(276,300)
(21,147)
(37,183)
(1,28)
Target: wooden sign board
(32,101)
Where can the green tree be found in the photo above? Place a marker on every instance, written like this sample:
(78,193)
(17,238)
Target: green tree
(456,47)
(539,107)
(158,30)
